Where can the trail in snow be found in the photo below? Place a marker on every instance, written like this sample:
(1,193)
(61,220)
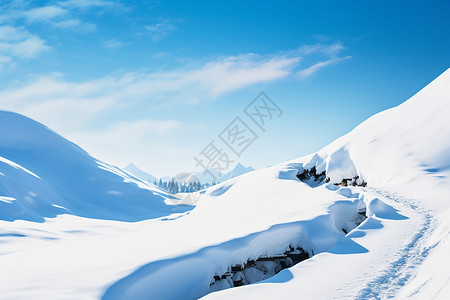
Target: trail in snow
(406,260)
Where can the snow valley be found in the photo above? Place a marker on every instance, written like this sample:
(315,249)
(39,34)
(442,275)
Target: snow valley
(366,217)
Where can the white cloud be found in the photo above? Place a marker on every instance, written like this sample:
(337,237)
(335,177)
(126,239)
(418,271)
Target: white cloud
(85,3)
(112,44)
(75,25)
(70,23)
(74,108)
(302,74)
(161,29)
(53,99)
(200,82)
(327,49)
(45,13)
(18,43)
(28,47)
(4,60)
(159,55)
(60,15)
(238,72)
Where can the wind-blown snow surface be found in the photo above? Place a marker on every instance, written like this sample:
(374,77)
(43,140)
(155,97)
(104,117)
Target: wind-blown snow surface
(398,251)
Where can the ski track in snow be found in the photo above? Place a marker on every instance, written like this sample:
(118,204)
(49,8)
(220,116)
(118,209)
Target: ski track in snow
(401,270)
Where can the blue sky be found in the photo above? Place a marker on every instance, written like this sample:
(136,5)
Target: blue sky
(153,82)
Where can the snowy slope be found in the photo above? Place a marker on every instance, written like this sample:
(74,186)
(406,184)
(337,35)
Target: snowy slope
(404,153)
(398,251)
(44,175)
(402,148)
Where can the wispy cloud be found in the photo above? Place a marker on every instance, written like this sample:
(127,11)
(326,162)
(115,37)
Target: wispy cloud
(326,49)
(161,29)
(75,25)
(61,15)
(302,74)
(330,55)
(19,43)
(85,3)
(45,13)
(198,82)
(74,107)
(237,72)
(113,44)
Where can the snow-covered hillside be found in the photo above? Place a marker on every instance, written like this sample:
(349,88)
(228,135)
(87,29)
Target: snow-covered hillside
(44,175)
(399,251)
(404,148)
(291,238)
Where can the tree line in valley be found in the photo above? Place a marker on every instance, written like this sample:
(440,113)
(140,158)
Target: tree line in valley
(174,187)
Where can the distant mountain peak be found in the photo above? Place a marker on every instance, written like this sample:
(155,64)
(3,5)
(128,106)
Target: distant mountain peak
(136,171)
(131,165)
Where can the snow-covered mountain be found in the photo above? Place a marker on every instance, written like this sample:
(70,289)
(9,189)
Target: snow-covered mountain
(43,175)
(367,217)
(134,170)
(187,177)
(403,154)
(239,169)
